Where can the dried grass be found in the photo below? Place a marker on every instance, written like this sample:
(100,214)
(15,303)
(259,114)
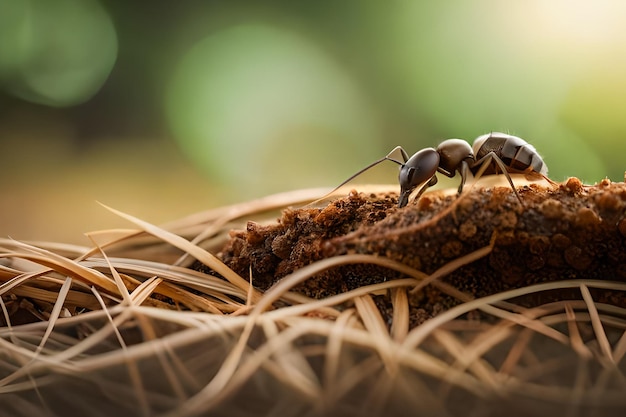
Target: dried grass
(126,327)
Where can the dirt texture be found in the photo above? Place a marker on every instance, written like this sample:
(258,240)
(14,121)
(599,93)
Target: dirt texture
(565,231)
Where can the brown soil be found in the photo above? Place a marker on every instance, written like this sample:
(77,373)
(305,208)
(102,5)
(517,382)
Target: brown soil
(567,231)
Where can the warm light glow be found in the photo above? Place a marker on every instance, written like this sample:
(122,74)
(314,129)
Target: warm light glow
(584,21)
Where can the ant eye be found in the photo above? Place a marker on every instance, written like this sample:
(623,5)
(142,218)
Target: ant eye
(410,174)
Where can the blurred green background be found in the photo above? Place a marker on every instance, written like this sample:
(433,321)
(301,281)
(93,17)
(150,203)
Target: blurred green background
(164,108)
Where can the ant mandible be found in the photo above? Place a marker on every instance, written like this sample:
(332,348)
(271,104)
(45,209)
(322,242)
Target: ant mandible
(493,151)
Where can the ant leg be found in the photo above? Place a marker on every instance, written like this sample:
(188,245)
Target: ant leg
(492,157)
(464,171)
(552,183)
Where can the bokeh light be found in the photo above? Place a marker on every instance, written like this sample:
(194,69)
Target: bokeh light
(164,108)
(264,109)
(56,53)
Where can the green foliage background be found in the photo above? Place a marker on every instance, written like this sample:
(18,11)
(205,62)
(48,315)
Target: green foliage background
(163,108)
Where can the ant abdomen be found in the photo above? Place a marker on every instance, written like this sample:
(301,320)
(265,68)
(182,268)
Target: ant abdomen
(516,154)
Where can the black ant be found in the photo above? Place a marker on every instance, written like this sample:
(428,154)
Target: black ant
(510,154)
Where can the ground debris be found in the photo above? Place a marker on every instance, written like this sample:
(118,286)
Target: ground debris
(567,231)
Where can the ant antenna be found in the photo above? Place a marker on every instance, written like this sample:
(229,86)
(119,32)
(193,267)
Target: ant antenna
(387,157)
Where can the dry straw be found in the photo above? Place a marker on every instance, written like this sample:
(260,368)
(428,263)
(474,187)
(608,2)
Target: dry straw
(126,326)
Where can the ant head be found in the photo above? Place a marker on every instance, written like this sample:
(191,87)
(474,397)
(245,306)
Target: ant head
(416,171)
(452,153)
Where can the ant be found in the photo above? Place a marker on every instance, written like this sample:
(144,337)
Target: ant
(510,154)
